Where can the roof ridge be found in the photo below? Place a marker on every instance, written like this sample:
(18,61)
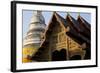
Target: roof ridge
(86,24)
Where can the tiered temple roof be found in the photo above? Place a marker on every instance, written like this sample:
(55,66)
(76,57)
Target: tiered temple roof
(78,29)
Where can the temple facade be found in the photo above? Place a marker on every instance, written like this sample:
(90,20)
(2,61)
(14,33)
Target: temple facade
(65,39)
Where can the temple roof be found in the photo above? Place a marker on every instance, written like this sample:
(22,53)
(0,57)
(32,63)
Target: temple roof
(70,22)
(65,23)
(74,27)
(79,26)
(74,23)
(81,20)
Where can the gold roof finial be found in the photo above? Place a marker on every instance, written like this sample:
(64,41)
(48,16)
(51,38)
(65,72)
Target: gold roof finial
(78,13)
(68,13)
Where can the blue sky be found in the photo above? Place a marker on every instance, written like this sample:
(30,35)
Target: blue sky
(27,15)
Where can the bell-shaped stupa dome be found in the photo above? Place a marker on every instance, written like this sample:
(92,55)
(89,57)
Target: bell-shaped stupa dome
(36,27)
